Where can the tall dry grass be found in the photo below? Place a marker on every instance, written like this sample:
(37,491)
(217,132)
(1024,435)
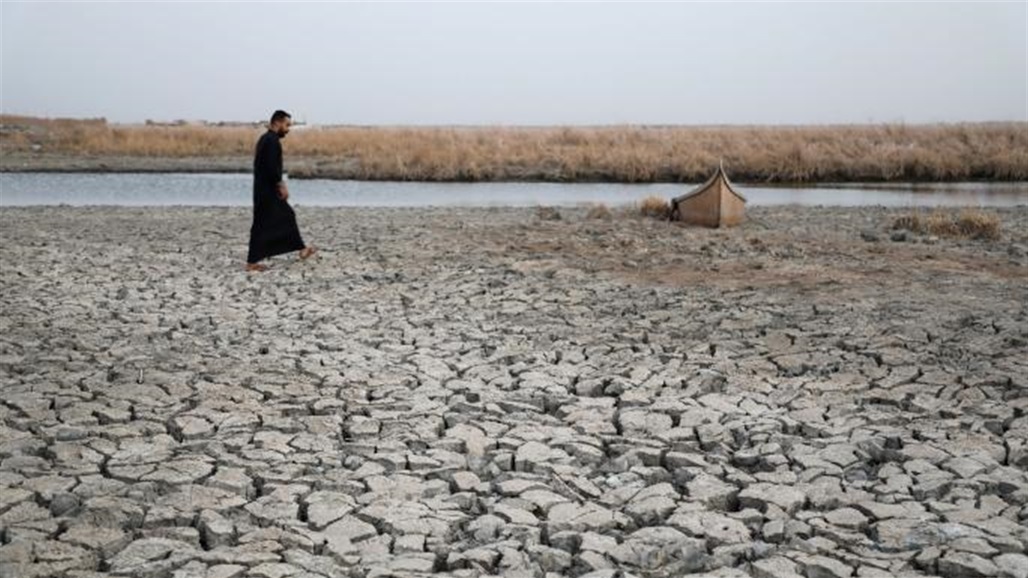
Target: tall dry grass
(956,152)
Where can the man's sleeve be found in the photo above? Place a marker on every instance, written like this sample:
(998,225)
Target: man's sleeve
(276,160)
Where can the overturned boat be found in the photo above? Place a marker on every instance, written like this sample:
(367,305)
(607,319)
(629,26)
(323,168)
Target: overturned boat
(715,203)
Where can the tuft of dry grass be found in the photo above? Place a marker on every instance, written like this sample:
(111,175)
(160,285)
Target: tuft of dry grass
(978,224)
(655,207)
(545,213)
(911,222)
(782,154)
(599,211)
(968,223)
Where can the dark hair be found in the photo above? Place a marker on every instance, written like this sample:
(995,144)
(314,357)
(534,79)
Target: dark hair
(280,115)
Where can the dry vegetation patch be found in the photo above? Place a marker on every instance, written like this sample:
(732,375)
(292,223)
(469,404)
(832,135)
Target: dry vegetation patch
(967,223)
(655,207)
(599,211)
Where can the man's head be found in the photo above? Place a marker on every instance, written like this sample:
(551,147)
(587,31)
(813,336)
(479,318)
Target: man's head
(280,123)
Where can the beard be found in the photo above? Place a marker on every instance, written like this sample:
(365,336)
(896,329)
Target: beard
(282,133)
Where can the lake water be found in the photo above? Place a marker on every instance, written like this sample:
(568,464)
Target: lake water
(137,189)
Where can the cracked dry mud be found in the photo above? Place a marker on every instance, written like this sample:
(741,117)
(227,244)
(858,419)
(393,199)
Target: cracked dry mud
(472,392)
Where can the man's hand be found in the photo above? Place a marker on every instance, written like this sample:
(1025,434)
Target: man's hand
(283,192)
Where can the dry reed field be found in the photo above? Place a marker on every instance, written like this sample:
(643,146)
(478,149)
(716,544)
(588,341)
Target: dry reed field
(773,154)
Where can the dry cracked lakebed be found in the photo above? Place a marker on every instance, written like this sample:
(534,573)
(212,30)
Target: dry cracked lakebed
(478,392)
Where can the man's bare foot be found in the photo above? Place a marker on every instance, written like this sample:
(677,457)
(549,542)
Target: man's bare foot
(307,251)
(255,267)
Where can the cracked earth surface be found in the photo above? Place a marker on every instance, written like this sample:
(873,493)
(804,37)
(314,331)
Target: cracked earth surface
(475,392)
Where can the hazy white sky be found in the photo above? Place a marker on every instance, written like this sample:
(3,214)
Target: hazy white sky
(518,63)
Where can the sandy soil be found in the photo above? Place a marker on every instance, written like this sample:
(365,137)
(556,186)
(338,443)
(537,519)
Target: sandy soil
(481,392)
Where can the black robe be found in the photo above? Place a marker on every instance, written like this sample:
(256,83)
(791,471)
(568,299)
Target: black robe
(274,229)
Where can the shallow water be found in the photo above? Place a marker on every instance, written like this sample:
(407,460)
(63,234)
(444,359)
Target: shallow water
(163,189)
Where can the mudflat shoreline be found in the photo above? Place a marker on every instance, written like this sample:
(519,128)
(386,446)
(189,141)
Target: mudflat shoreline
(34,163)
(480,391)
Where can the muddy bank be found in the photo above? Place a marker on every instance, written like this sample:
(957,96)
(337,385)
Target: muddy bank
(478,391)
(21,162)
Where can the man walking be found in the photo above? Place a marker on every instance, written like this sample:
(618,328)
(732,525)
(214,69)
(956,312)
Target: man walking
(274,230)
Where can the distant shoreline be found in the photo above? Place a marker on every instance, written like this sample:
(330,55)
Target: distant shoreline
(985,152)
(303,171)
